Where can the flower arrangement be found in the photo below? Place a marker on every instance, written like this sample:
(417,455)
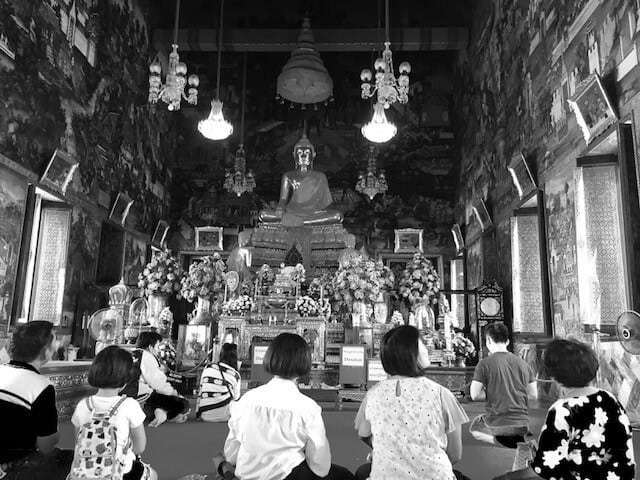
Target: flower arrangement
(321,284)
(205,279)
(266,274)
(162,275)
(462,346)
(307,306)
(167,354)
(298,273)
(241,303)
(419,281)
(362,280)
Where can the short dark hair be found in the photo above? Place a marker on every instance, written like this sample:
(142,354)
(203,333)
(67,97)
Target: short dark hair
(399,351)
(29,340)
(288,356)
(497,331)
(229,354)
(112,368)
(148,339)
(570,362)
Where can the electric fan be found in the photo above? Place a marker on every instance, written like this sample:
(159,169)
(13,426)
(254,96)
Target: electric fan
(628,330)
(103,327)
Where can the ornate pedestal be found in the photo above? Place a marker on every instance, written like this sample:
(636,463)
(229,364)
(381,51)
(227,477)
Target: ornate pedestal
(70,382)
(319,245)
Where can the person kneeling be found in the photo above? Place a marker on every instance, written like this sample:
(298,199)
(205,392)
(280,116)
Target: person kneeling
(275,431)
(219,386)
(107,416)
(161,402)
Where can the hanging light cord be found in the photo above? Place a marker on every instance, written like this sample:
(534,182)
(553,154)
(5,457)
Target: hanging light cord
(219,49)
(244,94)
(175,23)
(386,18)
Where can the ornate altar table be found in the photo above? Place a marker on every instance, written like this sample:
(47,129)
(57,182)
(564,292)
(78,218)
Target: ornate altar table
(70,380)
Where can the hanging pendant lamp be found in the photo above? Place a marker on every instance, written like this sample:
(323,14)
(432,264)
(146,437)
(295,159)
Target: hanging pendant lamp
(215,127)
(379,129)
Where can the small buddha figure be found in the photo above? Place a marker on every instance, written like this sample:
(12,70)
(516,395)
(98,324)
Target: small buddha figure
(304,194)
(240,257)
(349,253)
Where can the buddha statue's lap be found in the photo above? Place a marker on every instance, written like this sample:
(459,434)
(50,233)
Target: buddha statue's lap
(304,194)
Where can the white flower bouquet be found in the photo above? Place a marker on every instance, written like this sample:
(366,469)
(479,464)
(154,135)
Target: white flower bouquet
(162,275)
(242,303)
(362,280)
(462,346)
(307,306)
(299,273)
(205,279)
(419,281)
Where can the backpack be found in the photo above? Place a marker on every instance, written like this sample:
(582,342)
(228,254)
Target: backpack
(131,388)
(208,408)
(96,455)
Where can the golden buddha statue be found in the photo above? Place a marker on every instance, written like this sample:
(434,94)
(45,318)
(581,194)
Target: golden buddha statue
(304,193)
(240,258)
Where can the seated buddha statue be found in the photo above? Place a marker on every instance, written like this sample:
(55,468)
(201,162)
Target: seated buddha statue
(349,253)
(304,193)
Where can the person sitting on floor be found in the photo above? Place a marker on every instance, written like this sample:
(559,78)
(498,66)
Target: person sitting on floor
(413,424)
(275,431)
(161,402)
(507,383)
(219,386)
(29,432)
(586,433)
(109,372)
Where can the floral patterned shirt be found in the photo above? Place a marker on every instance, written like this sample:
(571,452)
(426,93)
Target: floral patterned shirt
(586,438)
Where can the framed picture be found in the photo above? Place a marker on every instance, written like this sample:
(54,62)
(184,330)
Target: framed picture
(60,170)
(482,214)
(209,238)
(135,258)
(593,109)
(521,175)
(398,262)
(458,239)
(120,209)
(160,234)
(408,240)
(194,343)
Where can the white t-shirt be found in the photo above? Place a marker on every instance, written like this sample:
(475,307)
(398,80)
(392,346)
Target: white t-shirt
(128,416)
(273,429)
(409,419)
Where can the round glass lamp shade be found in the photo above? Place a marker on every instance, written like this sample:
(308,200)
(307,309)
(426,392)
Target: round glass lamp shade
(215,127)
(379,129)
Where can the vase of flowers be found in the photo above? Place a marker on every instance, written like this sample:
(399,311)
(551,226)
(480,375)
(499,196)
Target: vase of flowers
(159,280)
(307,306)
(419,282)
(463,348)
(204,283)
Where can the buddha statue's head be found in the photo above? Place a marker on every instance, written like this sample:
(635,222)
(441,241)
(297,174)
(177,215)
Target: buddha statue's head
(243,238)
(350,240)
(304,153)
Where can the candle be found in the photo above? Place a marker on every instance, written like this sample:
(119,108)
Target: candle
(447,331)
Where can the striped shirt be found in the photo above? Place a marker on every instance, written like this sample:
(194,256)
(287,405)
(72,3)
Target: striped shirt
(219,385)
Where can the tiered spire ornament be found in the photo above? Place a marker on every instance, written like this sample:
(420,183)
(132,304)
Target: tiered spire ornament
(305,80)
(372,183)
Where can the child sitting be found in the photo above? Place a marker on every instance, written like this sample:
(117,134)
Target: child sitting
(109,373)
(507,383)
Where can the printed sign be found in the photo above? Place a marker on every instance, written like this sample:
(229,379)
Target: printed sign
(353,356)
(259,351)
(375,372)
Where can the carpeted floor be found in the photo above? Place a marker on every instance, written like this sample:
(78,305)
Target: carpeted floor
(176,450)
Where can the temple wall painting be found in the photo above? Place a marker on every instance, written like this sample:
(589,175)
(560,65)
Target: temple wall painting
(514,103)
(79,90)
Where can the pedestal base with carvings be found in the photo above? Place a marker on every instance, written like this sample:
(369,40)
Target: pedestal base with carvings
(70,380)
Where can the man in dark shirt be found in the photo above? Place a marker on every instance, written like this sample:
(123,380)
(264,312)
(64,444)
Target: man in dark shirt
(28,409)
(506,383)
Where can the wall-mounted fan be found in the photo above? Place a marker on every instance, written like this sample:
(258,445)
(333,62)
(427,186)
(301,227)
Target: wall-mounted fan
(628,330)
(104,326)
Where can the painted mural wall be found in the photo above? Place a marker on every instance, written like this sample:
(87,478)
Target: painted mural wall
(73,77)
(526,59)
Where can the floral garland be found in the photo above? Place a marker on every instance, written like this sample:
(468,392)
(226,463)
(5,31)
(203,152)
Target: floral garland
(205,279)
(242,303)
(419,281)
(362,280)
(162,275)
(463,347)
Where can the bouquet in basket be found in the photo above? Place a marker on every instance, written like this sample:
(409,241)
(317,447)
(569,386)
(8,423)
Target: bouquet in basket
(242,303)
(307,306)
(205,279)
(162,275)
(463,347)
(419,281)
(362,281)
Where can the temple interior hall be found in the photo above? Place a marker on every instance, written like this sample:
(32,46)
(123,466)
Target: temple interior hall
(182,179)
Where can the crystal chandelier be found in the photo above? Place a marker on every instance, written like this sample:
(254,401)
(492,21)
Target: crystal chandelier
(379,129)
(215,127)
(371,184)
(240,182)
(172,92)
(389,89)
